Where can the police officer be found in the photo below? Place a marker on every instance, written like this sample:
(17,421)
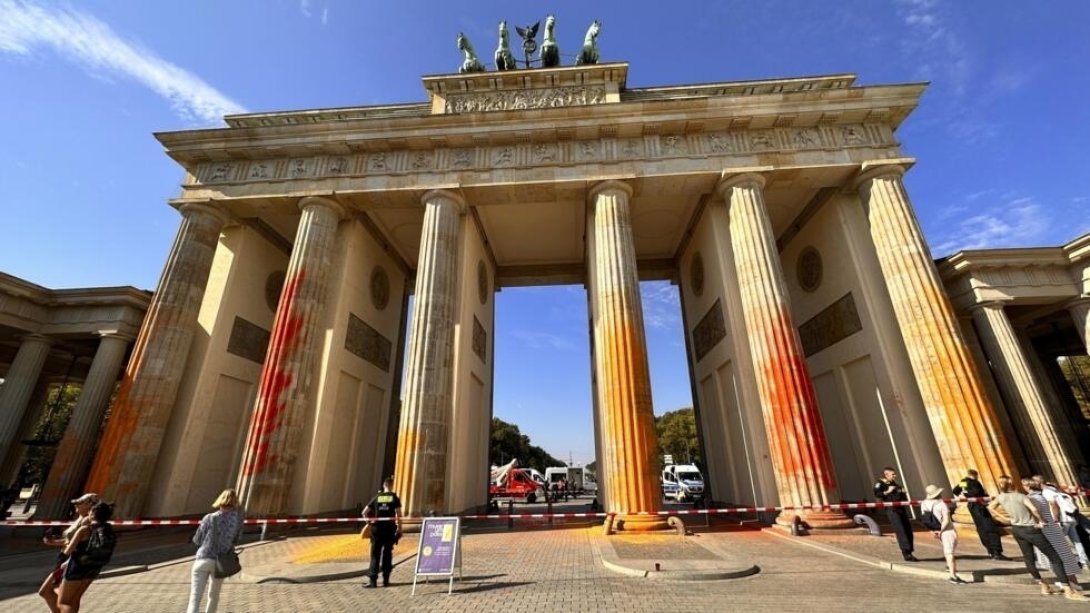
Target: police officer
(986,529)
(384,533)
(888,490)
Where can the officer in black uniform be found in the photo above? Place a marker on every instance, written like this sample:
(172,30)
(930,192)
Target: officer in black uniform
(888,490)
(384,533)
(986,529)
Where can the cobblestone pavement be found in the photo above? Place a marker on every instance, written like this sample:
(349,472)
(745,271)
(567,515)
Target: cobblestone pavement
(516,572)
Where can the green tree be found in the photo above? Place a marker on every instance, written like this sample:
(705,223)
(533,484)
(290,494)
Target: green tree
(47,434)
(508,442)
(676,432)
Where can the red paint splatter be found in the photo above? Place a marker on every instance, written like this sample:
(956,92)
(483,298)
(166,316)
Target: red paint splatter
(798,433)
(275,379)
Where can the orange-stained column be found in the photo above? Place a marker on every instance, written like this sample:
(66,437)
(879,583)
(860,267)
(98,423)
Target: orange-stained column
(1046,441)
(796,436)
(289,377)
(620,356)
(74,453)
(966,427)
(427,410)
(129,448)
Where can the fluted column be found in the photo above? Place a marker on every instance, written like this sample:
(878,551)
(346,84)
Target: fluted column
(963,420)
(129,448)
(288,377)
(427,410)
(620,355)
(796,436)
(19,384)
(16,455)
(74,453)
(1080,313)
(1043,442)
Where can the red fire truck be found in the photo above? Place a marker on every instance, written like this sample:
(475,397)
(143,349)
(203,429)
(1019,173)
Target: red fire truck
(511,482)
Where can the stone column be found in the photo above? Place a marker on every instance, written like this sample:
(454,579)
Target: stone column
(966,426)
(1080,312)
(796,436)
(19,384)
(74,454)
(1024,396)
(623,377)
(16,456)
(427,411)
(289,377)
(129,448)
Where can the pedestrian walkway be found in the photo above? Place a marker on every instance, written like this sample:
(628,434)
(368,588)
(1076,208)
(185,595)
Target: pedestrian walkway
(557,569)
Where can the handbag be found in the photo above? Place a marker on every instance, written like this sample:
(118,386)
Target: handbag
(227,563)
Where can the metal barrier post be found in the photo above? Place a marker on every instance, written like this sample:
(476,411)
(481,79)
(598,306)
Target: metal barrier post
(510,513)
(549,510)
(264,530)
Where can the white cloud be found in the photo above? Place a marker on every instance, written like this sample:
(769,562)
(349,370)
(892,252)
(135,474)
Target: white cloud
(661,305)
(1019,222)
(88,42)
(304,7)
(937,51)
(543,340)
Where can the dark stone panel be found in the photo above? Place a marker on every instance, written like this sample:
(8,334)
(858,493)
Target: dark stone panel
(248,340)
(367,343)
(709,331)
(480,340)
(835,323)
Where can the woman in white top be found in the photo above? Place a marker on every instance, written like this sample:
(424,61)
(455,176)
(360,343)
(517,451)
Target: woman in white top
(946,533)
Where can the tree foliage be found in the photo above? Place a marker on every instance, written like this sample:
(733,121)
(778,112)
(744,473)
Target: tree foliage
(676,432)
(508,442)
(47,434)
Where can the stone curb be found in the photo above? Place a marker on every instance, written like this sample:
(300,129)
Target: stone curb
(612,562)
(979,576)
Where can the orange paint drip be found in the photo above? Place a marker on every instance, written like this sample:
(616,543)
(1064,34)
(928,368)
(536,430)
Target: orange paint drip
(275,379)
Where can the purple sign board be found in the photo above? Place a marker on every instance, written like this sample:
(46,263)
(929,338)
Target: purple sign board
(438,548)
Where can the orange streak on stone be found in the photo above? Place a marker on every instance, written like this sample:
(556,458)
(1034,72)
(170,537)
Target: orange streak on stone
(275,380)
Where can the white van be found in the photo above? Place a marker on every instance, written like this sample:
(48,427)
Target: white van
(576,477)
(682,482)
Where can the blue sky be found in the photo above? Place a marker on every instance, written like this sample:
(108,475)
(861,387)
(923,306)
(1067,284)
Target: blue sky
(1001,134)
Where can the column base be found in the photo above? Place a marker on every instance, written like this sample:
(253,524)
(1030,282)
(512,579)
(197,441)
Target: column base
(816,520)
(640,523)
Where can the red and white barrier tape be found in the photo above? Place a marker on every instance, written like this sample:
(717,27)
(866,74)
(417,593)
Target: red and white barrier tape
(846,506)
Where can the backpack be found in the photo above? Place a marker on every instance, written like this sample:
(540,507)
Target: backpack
(100,546)
(929,521)
(1066,504)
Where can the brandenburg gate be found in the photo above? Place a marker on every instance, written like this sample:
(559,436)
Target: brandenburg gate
(821,343)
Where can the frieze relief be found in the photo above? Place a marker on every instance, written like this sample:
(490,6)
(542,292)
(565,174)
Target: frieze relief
(651,147)
(521,100)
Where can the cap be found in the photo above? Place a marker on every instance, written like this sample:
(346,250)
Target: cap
(88,497)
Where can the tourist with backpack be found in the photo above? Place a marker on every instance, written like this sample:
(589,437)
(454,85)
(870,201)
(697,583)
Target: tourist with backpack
(52,583)
(936,517)
(216,558)
(1066,512)
(90,550)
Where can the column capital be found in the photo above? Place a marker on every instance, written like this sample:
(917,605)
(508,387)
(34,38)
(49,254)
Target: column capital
(609,185)
(35,337)
(878,169)
(207,210)
(325,202)
(988,304)
(115,334)
(1077,302)
(754,178)
(448,196)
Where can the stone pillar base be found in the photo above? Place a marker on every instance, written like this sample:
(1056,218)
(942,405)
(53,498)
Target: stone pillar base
(816,520)
(640,523)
